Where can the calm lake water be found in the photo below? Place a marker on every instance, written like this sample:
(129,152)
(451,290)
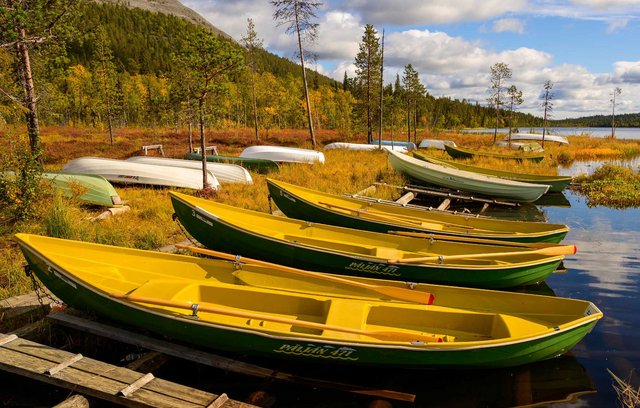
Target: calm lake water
(606,271)
(621,133)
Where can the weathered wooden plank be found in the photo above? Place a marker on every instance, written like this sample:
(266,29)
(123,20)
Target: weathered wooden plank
(64,364)
(74,401)
(136,385)
(31,360)
(8,339)
(406,198)
(213,360)
(218,402)
(444,204)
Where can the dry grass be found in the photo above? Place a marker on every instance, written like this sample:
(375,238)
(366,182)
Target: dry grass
(148,225)
(628,396)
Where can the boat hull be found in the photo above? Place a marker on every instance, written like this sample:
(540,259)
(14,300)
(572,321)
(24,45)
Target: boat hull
(125,172)
(83,295)
(258,165)
(460,153)
(213,232)
(462,180)
(283,154)
(556,183)
(538,137)
(98,189)
(225,173)
(293,202)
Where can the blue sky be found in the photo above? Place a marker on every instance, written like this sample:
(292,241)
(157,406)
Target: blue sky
(587,48)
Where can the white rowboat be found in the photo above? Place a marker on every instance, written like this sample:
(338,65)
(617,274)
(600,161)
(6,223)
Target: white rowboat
(435,144)
(283,154)
(225,173)
(122,171)
(363,147)
(538,137)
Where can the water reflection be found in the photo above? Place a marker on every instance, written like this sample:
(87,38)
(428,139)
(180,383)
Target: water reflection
(557,380)
(588,167)
(621,133)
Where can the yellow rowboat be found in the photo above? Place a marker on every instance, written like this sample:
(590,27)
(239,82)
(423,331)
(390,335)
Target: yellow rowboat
(313,205)
(362,253)
(265,311)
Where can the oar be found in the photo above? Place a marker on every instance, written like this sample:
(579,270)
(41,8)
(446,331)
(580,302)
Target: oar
(380,335)
(393,217)
(396,293)
(480,240)
(552,251)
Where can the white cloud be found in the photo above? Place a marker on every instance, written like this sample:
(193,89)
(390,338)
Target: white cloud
(338,36)
(606,4)
(627,71)
(512,25)
(452,66)
(409,12)
(617,24)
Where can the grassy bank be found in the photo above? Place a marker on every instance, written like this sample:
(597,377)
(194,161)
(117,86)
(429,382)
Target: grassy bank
(148,225)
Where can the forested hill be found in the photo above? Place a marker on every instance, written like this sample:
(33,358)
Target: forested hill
(169,7)
(624,120)
(143,35)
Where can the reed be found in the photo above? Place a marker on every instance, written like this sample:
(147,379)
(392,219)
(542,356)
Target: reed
(628,396)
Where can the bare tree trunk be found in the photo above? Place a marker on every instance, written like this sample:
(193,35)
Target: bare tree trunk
(304,79)
(255,105)
(409,122)
(381,91)
(33,128)
(205,182)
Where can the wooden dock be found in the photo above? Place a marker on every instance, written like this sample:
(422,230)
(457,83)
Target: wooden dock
(101,380)
(22,353)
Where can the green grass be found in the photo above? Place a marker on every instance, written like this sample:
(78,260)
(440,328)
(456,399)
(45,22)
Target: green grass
(611,186)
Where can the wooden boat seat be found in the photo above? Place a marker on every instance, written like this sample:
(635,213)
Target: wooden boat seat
(331,244)
(342,312)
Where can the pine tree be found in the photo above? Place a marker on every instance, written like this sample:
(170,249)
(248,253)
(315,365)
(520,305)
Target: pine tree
(368,78)
(515,98)
(251,42)
(202,63)
(500,72)
(105,76)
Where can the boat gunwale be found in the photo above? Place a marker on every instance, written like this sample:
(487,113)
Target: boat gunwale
(413,347)
(378,260)
(490,235)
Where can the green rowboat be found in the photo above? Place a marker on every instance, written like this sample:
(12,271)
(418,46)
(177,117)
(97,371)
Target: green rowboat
(556,183)
(467,181)
(262,166)
(361,253)
(461,153)
(313,205)
(263,312)
(91,189)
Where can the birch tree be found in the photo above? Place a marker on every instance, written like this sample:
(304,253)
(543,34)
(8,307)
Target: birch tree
(25,25)
(298,16)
